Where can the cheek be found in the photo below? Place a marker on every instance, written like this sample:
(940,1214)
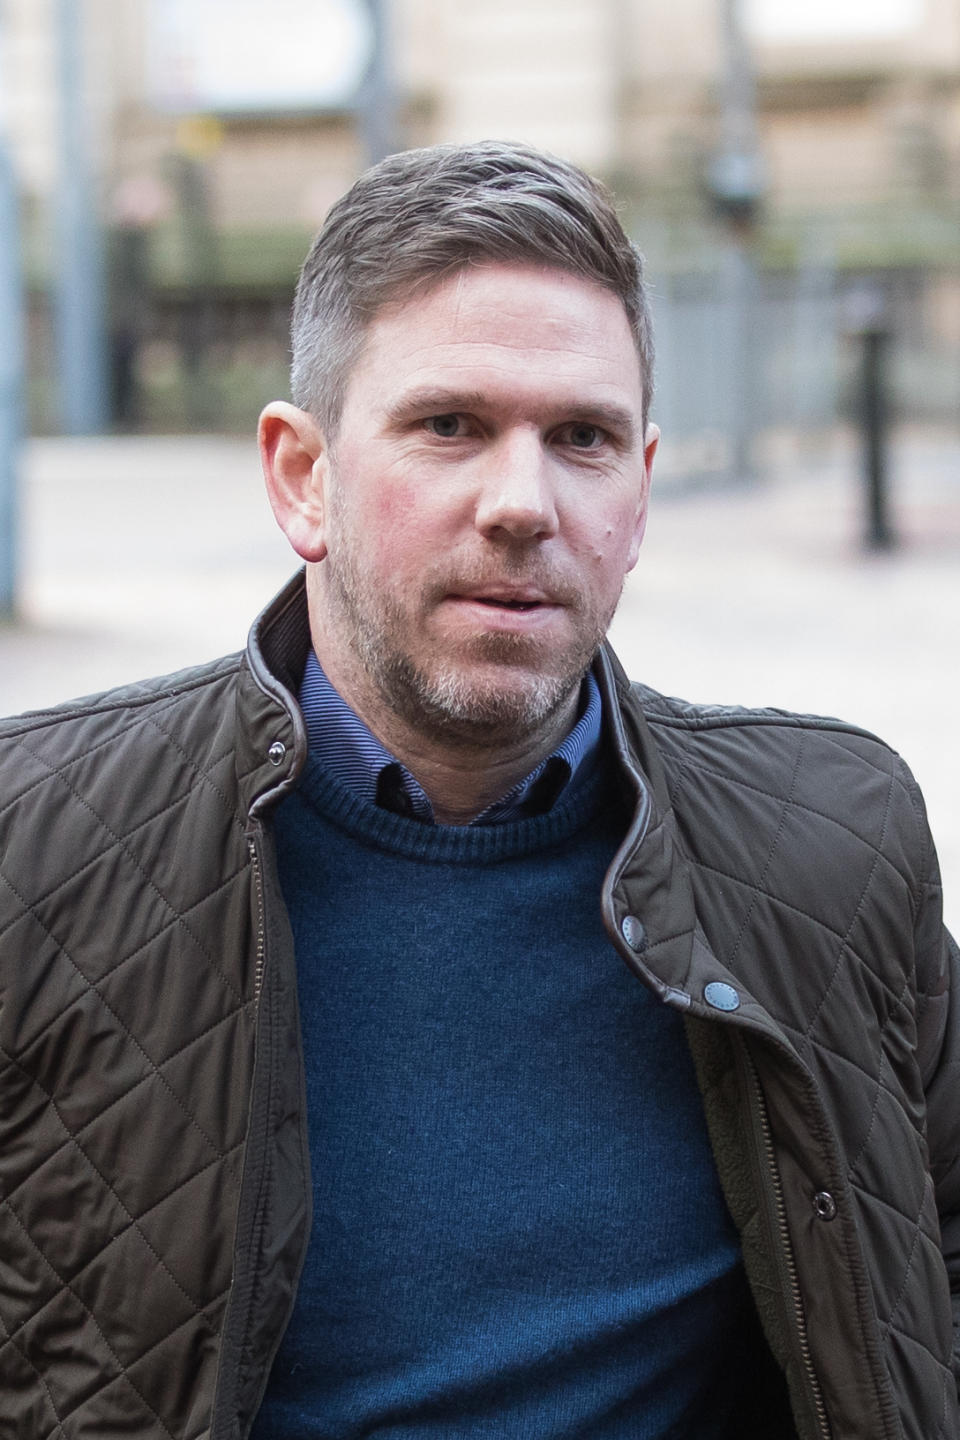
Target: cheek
(381,517)
(394,507)
(399,538)
(399,543)
(401,498)
(612,546)
(416,525)
(622,535)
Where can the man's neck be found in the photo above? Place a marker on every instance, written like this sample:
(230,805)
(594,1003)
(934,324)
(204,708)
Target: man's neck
(461,783)
(460,777)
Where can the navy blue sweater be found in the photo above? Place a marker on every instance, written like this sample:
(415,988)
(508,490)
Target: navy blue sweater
(518,1230)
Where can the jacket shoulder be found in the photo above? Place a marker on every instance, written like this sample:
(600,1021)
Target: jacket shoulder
(761,738)
(112,760)
(121,702)
(685,715)
(776,775)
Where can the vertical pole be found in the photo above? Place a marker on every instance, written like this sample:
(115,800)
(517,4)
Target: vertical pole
(738,89)
(816,324)
(81,350)
(11,376)
(200,255)
(739,294)
(736,191)
(378,125)
(875,416)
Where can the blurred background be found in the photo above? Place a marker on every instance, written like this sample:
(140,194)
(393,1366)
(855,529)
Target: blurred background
(791,170)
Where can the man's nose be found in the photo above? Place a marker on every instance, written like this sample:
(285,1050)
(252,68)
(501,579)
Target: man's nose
(516,494)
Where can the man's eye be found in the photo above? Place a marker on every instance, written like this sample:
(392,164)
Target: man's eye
(446,426)
(583,436)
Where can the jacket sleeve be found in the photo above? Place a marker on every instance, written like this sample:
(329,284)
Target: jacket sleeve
(938,1054)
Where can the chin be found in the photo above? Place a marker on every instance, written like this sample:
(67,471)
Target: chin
(466,703)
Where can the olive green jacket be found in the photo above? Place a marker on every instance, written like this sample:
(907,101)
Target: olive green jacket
(777,886)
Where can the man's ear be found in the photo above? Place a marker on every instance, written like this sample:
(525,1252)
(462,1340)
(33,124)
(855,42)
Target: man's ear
(294,457)
(650,442)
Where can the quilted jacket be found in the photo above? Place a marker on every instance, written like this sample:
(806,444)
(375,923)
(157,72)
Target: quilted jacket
(777,886)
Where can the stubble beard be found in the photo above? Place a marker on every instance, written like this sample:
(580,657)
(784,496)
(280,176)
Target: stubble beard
(497,691)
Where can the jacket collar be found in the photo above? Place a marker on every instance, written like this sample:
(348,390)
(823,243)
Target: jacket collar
(272,738)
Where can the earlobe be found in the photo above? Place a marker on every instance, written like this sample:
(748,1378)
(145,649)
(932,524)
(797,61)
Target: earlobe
(293,455)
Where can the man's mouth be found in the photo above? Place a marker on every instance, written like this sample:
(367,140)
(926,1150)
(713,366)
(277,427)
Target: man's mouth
(506,604)
(519,598)
(502,606)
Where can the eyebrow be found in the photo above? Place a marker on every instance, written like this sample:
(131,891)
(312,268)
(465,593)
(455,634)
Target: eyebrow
(430,400)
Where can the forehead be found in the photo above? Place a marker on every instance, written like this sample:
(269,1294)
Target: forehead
(493,326)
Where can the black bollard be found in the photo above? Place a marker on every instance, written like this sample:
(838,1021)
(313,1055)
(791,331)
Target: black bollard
(874,419)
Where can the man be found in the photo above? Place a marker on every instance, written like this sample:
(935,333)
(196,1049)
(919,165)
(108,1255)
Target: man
(411,1028)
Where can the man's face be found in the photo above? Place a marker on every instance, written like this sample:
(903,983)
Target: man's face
(485,497)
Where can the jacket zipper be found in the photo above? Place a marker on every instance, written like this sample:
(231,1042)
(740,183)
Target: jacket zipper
(786,1247)
(261,937)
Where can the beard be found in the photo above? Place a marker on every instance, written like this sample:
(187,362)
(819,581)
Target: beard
(496,686)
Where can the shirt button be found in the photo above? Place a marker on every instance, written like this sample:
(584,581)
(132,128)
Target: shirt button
(276,752)
(634,933)
(824,1205)
(721,996)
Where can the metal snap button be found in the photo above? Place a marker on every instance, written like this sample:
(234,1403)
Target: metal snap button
(634,933)
(824,1205)
(276,752)
(721,996)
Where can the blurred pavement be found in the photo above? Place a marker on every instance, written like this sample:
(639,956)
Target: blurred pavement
(143,555)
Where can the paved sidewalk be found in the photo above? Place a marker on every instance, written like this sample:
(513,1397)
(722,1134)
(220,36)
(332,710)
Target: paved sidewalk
(144,555)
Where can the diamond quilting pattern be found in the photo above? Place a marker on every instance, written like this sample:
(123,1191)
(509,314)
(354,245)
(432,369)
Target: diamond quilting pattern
(813,902)
(128,971)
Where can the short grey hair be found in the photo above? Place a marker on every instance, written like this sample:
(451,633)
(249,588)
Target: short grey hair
(423,215)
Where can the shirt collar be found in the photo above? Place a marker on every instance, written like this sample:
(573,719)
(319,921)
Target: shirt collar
(350,752)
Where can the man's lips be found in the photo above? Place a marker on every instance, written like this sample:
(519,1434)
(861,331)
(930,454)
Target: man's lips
(508,608)
(508,598)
